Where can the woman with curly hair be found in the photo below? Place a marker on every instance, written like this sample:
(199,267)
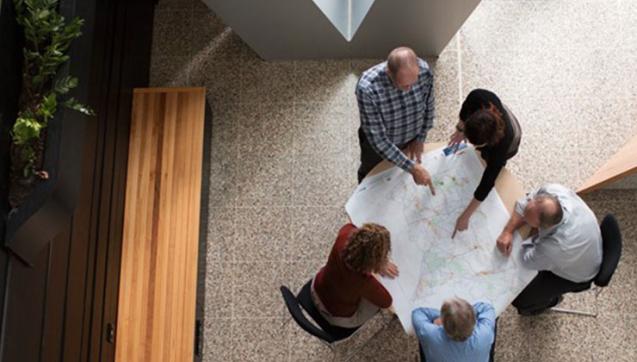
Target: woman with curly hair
(344,290)
(491,127)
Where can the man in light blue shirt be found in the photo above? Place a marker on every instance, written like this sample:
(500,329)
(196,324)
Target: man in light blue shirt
(565,246)
(458,332)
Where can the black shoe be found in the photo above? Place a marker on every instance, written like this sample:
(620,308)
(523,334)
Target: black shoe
(559,300)
(534,312)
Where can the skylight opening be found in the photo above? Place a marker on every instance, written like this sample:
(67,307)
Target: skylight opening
(345,15)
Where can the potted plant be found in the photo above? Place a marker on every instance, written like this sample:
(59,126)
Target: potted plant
(47,38)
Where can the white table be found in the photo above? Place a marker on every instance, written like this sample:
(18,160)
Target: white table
(433,266)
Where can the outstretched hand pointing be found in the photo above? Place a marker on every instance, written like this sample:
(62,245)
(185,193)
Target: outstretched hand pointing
(422,177)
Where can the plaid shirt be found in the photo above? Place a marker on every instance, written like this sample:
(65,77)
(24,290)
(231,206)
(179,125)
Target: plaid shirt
(391,117)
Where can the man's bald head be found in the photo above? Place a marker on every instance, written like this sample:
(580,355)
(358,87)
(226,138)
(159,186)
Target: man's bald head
(551,210)
(401,57)
(402,67)
(543,211)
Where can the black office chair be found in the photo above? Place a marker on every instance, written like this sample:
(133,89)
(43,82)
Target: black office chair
(611,253)
(321,329)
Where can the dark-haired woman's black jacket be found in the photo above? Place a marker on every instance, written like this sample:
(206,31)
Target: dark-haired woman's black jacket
(496,156)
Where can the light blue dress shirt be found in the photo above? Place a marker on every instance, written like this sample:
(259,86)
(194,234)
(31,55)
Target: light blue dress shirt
(438,347)
(572,249)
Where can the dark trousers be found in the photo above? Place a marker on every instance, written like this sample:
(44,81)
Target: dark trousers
(491,354)
(369,157)
(544,292)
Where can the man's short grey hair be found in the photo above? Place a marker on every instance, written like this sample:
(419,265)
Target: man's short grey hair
(401,57)
(458,319)
(548,219)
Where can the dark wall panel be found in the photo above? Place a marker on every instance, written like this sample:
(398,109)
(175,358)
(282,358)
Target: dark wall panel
(56,287)
(9,93)
(58,308)
(26,298)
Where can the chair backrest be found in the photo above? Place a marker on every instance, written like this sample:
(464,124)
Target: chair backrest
(297,314)
(611,250)
(305,300)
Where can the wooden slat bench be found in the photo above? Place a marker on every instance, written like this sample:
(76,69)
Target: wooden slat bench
(158,278)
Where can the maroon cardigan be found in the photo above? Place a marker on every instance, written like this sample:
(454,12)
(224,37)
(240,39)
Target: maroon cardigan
(341,288)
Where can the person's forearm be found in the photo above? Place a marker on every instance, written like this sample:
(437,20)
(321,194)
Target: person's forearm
(515,222)
(490,174)
(422,322)
(422,135)
(460,126)
(428,116)
(472,207)
(427,125)
(388,151)
(395,155)
(484,311)
(430,314)
(399,159)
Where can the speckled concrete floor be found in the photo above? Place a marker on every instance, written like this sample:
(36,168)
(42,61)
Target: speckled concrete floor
(284,156)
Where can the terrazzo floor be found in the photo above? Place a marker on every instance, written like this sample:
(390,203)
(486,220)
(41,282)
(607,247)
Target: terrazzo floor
(285,152)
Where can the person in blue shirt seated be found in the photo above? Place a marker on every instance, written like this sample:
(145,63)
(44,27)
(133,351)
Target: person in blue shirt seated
(458,332)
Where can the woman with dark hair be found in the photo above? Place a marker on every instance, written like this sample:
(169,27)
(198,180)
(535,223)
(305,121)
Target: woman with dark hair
(491,127)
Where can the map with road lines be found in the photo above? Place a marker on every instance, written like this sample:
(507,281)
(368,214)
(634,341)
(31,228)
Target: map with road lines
(432,265)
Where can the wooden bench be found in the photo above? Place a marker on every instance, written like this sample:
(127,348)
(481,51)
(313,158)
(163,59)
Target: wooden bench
(621,167)
(158,275)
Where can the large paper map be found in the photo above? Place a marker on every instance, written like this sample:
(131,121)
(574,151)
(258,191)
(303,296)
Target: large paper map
(433,266)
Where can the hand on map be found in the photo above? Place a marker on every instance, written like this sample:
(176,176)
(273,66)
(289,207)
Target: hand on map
(414,150)
(456,139)
(422,177)
(438,321)
(505,242)
(390,270)
(462,223)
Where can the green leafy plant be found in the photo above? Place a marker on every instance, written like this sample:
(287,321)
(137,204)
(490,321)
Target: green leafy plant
(47,38)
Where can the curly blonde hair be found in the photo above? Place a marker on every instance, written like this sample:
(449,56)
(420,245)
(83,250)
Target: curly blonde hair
(367,249)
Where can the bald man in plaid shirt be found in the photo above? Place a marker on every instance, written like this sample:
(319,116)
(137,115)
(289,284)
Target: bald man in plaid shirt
(396,106)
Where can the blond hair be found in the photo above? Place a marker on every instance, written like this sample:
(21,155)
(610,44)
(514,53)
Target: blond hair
(458,319)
